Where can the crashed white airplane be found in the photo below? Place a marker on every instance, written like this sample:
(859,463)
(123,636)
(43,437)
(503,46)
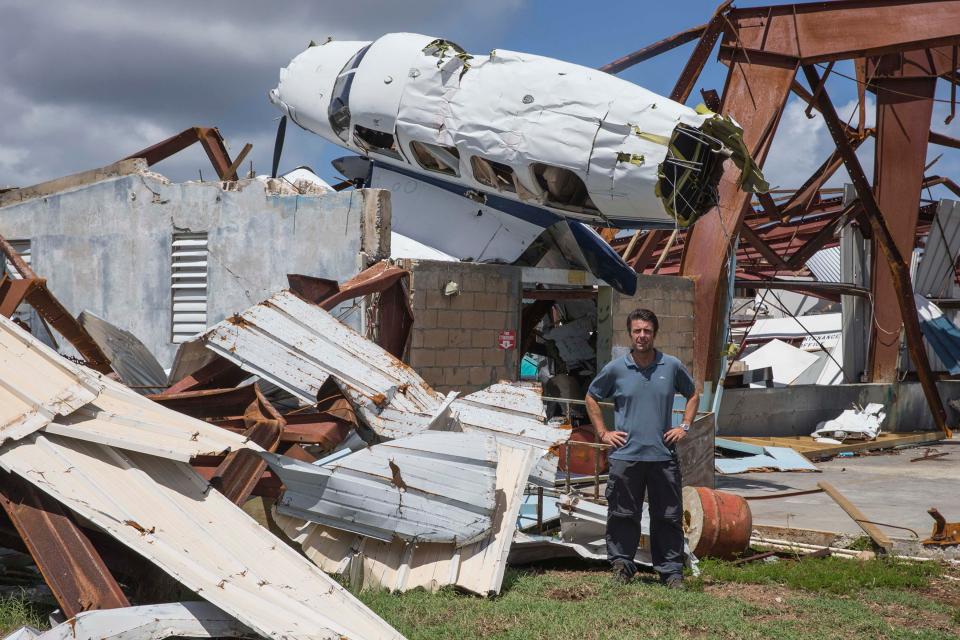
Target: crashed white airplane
(529,139)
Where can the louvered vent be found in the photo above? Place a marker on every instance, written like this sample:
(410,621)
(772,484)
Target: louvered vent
(189,285)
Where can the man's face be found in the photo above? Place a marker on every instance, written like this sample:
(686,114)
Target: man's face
(642,335)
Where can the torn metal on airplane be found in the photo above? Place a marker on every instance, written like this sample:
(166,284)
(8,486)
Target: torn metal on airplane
(553,136)
(852,424)
(148,622)
(401,566)
(430,487)
(37,383)
(164,511)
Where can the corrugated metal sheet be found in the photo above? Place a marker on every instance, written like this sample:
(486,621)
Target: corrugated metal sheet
(772,459)
(935,273)
(129,357)
(37,384)
(519,398)
(122,418)
(188,283)
(149,622)
(431,487)
(401,566)
(164,511)
(825,265)
(297,346)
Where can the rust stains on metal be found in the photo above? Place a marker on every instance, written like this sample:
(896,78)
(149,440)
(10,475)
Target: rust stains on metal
(67,559)
(396,479)
(944,533)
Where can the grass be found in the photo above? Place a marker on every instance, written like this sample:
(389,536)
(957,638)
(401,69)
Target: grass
(824,598)
(16,612)
(827,598)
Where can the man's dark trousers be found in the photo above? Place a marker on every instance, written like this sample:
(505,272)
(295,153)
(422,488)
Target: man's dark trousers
(628,480)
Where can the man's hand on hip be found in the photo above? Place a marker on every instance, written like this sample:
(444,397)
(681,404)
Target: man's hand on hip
(675,435)
(614,438)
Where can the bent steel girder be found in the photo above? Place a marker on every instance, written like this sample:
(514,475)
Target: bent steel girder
(754,96)
(904,110)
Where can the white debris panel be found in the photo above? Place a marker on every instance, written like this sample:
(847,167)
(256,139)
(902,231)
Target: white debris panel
(852,424)
(431,487)
(167,513)
(37,384)
(129,357)
(148,622)
(298,346)
(121,418)
(577,141)
(400,566)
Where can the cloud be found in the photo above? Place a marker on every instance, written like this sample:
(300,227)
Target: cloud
(88,83)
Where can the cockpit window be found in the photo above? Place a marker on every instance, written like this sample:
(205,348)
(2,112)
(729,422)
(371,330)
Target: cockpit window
(437,158)
(493,174)
(339,110)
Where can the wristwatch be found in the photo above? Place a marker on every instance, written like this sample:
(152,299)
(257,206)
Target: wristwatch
(685,426)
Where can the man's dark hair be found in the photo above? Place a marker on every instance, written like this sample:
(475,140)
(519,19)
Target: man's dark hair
(643,314)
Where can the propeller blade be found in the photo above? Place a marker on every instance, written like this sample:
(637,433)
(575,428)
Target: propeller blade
(278,145)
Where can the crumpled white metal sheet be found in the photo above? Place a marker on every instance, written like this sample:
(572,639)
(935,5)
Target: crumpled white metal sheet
(166,512)
(430,487)
(129,357)
(37,384)
(149,622)
(298,346)
(121,418)
(400,566)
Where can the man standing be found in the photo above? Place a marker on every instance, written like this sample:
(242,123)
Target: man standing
(644,457)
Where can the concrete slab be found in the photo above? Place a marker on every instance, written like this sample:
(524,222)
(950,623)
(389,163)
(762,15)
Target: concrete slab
(887,488)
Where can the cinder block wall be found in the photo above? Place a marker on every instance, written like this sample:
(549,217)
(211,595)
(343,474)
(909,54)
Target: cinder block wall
(454,341)
(671,298)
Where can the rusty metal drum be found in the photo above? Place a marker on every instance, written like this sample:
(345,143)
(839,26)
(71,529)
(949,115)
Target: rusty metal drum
(582,459)
(716,524)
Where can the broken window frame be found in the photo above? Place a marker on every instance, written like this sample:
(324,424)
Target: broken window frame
(338,111)
(584,206)
(488,175)
(365,138)
(446,157)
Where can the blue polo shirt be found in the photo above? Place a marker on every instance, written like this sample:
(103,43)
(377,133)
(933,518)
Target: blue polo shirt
(643,402)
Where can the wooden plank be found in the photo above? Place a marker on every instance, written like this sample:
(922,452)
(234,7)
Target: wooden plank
(813,449)
(862,521)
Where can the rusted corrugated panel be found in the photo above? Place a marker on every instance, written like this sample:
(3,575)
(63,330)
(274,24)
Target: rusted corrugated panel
(37,384)
(149,622)
(70,565)
(400,566)
(164,511)
(122,418)
(298,346)
(431,487)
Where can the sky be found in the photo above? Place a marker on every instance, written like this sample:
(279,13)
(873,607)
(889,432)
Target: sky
(85,84)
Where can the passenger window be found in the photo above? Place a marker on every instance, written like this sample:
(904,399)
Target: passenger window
(433,157)
(493,174)
(564,188)
(339,110)
(375,141)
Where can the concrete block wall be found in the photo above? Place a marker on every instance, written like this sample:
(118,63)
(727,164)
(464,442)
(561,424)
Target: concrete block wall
(671,298)
(454,340)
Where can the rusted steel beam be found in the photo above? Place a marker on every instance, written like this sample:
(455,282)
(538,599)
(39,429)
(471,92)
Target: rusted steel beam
(944,140)
(71,566)
(747,235)
(769,206)
(644,256)
(826,31)
(320,428)
(933,181)
(653,50)
(800,202)
(698,58)
(895,260)
(904,111)
(209,138)
(754,96)
(832,289)
(13,292)
(822,237)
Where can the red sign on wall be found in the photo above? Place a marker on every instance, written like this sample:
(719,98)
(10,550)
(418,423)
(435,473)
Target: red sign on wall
(507,340)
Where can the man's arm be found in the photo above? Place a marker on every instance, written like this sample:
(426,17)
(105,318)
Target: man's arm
(685,384)
(595,413)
